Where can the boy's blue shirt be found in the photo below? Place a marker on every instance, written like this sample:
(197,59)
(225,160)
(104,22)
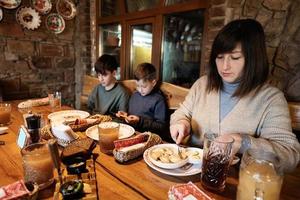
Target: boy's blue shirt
(152,110)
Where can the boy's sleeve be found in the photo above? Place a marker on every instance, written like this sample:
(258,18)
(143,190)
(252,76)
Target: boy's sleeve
(91,99)
(124,99)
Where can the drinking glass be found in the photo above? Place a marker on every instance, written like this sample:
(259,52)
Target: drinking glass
(55,99)
(37,164)
(216,161)
(260,176)
(108,133)
(5,110)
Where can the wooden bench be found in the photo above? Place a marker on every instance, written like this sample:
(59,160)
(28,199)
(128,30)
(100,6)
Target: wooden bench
(174,94)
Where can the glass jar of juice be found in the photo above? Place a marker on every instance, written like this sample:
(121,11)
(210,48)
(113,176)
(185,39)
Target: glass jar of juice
(260,176)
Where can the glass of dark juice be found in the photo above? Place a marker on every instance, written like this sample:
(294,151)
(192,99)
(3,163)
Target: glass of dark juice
(216,161)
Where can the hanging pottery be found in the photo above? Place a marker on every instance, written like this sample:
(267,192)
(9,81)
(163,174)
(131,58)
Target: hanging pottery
(28,18)
(42,6)
(66,9)
(55,23)
(10,4)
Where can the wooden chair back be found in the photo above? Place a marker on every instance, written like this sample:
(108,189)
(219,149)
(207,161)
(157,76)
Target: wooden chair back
(174,94)
(295,115)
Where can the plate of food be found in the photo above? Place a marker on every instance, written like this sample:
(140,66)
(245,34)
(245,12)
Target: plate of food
(67,116)
(125,131)
(187,169)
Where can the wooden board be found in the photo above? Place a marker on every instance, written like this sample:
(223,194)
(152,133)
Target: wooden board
(88,178)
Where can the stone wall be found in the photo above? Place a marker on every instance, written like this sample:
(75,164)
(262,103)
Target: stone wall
(35,62)
(281,22)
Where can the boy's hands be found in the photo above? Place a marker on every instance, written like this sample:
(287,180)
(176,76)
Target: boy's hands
(122,114)
(132,119)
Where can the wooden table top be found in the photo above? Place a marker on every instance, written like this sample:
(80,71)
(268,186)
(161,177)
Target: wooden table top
(133,180)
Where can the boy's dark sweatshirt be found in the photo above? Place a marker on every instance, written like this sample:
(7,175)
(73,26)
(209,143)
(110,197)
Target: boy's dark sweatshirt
(152,110)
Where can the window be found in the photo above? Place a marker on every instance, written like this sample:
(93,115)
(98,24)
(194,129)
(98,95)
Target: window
(166,33)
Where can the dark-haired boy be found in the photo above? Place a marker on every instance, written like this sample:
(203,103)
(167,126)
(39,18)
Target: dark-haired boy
(108,97)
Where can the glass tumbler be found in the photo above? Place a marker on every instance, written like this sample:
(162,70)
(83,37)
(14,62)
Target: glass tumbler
(5,111)
(216,161)
(108,133)
(37,164)
(260,176)
(55,99)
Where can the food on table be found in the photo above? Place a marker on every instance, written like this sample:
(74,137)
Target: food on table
(167,155)
(130,148)
(83,124)
(80,147)
(72,189)
(33,103)
(187,191)
(76,165)
(14,190)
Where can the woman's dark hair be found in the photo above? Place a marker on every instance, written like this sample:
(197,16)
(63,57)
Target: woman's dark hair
(145,71)
(250,34)
(106,63)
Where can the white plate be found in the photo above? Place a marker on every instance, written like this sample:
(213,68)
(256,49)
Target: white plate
(195,169)
(67,115)
(124,132)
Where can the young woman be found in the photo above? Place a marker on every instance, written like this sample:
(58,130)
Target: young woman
(235,99)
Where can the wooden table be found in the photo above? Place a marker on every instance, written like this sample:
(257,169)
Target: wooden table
(134,180)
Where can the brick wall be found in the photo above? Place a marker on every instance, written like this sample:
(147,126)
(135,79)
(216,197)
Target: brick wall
(33,63)
(281,22)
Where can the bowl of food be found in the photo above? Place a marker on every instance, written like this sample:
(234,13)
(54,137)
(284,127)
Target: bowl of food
(194,154)
(72,189)
(167,156)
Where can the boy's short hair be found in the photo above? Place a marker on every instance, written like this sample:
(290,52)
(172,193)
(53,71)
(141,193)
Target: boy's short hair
(145,71)
(106,63)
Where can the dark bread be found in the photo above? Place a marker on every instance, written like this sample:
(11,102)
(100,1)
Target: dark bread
(81,147)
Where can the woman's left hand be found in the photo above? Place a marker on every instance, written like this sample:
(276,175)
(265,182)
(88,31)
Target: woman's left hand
(237,141)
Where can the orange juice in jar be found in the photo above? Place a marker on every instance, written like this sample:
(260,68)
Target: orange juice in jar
(108,133)
(37,164)
(260,176)
(5,110)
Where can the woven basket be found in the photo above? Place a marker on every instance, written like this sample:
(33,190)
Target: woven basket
(82,127)
(122,156)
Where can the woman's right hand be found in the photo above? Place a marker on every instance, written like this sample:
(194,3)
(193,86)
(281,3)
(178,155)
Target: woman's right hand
(179,132)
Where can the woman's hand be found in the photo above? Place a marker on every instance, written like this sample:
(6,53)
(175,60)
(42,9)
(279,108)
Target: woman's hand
(237,141)
(132,119)
(179,132)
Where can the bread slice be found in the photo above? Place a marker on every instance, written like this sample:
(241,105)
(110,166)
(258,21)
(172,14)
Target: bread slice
(80,147)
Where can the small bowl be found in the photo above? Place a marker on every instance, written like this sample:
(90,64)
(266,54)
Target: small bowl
(195,155)
(76,165)
(72,189)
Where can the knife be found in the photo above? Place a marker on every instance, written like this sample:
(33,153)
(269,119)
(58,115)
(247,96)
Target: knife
(53,148)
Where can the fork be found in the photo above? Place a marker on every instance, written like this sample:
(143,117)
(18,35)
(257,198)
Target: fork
(186,166)
(179,152)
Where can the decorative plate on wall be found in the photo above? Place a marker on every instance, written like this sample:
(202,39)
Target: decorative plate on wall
(42,6)
(55,23)
(1,14)
(66,9)
(28,18)
(10,4)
